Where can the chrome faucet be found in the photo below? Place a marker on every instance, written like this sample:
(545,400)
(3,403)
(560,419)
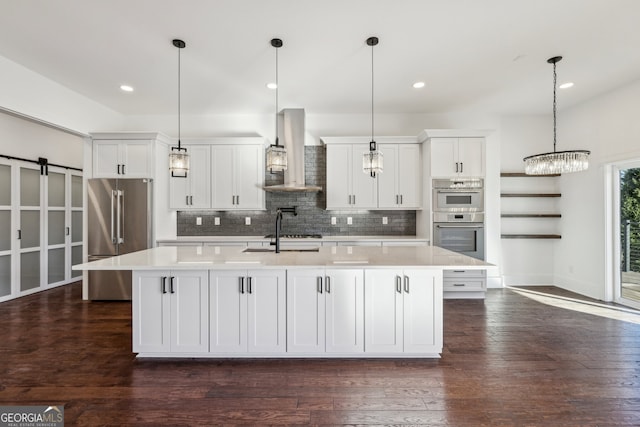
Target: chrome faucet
(279,213)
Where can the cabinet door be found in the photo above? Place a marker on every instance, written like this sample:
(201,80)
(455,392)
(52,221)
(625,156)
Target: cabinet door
(137,159)
(151,312)
(338,179)
(344,293)
(388,193)
(106,159)
(249,177)
(228,312)
(471,156)
(383,312)
(222,177)
(365,188)
(190,312)
(444,157)
(422,312)
(409,176)
(194,191)
(305,311)
(267,321)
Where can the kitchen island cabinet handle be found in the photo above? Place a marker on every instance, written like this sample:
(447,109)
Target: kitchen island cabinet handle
(242,285)
(171,288)
(249,285)
(319,284)
(164,284)
(406,284)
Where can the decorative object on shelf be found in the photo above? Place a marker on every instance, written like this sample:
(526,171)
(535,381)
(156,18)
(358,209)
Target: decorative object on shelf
(372,161)
(178,156)
(276,153)
(556,161)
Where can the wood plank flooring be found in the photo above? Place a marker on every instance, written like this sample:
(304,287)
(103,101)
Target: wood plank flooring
(508,361)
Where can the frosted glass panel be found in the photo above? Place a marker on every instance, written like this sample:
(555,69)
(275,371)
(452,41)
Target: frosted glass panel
(56,190)
(76,258)
(29,187)
(56,265)
(5,275)
(30,226)
(29,270)
(5,230)
(56,228)
(76,226)
(76,191)
(5,185)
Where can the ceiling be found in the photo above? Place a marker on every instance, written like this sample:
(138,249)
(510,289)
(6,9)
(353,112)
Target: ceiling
(484,56)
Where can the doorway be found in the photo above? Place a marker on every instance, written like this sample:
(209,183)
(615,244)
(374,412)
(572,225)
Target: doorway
(627,233)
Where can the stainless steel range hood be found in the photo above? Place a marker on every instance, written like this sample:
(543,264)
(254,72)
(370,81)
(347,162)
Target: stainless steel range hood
(293,141)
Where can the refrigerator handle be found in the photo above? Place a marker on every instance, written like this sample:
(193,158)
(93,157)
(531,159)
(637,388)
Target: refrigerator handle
(120,216)
(113,216)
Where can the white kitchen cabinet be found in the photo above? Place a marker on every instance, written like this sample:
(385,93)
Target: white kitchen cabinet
(325,311)
(348,187)
(170,311)
(247,311)
(403,311)
(400,183)
(122,158)
(194,191)
(457,157)
(237,180)
(464,284)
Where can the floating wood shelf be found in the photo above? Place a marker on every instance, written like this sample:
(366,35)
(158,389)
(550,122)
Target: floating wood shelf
(530,236)
(531,215)
(524,175)
(530,195)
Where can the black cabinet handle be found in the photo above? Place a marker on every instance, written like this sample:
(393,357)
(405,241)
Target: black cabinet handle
(19,234)
(171,288)
(249,285)
(461,167)
(164,284)
(458,284)
(118,169)
(67,229)
(319,285)
(242,285)
(123,172)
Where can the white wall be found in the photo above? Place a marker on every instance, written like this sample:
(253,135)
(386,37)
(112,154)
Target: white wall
(609,126)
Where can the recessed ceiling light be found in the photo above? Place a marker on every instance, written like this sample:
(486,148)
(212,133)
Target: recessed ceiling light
(272,86)
(418,85)
(566,85)
(126,88)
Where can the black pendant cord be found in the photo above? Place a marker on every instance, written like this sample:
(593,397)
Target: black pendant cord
(179,49)
(372,45)
(554,106)
(277,88)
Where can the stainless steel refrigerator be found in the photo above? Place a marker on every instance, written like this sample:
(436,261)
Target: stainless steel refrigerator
(119,222)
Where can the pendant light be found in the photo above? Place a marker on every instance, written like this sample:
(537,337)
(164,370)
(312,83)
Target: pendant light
(372,159)
(276,153)
(178,157)
(558,161)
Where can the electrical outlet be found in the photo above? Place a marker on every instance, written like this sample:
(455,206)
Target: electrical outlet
(247,220)
(349,220)
(333,220)
(198,220)
(216,220)
(385,220)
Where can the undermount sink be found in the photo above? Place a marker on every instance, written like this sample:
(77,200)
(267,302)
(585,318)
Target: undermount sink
(314,249)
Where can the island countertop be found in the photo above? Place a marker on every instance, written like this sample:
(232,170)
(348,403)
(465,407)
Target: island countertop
(221,257)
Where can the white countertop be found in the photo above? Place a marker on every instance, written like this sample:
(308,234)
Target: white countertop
(221,257)
(213,239)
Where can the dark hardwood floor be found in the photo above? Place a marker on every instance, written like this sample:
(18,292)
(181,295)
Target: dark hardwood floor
(508,361)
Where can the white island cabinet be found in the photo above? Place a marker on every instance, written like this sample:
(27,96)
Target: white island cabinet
(247,311)
(170,311)
(357,301)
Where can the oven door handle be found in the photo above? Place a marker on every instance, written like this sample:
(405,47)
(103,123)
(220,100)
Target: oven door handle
(459,226)
(457,191)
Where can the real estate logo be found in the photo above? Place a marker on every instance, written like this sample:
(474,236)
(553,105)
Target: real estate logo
(31,416)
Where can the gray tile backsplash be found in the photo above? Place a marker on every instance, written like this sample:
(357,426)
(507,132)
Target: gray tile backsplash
(312,216)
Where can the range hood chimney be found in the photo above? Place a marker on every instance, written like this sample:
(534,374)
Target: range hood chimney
(293,142)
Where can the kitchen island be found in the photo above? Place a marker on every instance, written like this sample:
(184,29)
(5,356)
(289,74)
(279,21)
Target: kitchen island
(338,301)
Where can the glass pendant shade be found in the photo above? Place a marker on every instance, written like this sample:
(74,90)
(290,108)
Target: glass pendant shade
(178,162)
(372,162)
(557,162)
(276,158)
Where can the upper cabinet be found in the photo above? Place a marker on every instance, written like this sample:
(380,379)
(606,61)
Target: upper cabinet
(452,157)
(348,187)
(193,191)
(399,186)
(400,183)
(122,159)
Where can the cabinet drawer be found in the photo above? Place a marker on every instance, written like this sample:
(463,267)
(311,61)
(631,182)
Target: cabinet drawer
(458,274)
(466,285)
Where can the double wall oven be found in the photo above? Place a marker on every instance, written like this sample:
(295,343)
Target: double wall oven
(458,215)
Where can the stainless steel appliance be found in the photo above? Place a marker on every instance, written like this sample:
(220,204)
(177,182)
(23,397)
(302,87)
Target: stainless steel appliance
(460,232)
(119,222)
(458,195)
